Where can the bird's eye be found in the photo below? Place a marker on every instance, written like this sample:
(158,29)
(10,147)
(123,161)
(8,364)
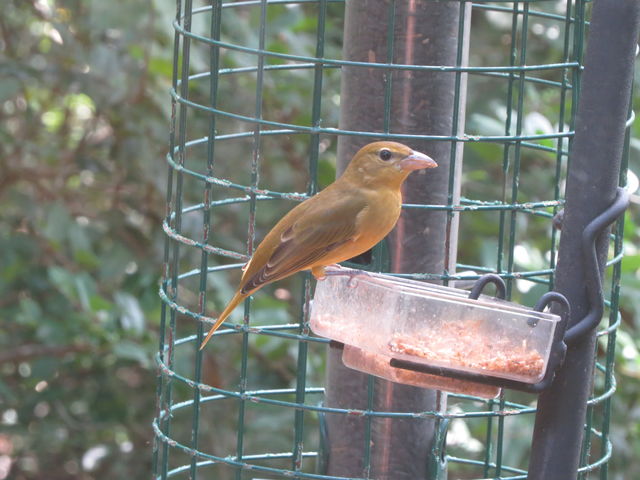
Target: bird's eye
(385,154)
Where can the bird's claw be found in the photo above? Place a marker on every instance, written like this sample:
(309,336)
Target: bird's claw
(350,272)
(319,273)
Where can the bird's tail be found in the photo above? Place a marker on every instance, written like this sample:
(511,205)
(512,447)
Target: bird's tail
(235,301)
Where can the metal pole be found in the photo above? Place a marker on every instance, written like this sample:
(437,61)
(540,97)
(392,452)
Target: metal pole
(414,32)
(591,187)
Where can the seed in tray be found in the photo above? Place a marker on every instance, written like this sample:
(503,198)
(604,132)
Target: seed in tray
(471,351)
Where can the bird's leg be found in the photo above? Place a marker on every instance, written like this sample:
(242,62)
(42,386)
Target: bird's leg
(319,272)
(338,269)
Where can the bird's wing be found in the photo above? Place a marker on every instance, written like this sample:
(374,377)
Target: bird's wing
(319,231)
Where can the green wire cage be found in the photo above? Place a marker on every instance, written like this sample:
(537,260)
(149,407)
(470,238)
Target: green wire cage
(268,97)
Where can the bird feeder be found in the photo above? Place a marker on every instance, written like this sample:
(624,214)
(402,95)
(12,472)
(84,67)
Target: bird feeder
(438,337)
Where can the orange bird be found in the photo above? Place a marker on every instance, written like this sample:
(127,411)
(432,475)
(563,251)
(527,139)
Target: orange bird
(342,221)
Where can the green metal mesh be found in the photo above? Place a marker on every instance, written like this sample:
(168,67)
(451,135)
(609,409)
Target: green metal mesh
(247,407)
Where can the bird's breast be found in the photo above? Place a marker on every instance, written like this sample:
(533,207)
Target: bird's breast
(379,218)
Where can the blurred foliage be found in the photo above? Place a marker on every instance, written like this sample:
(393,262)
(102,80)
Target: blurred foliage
(84,117)
(83,128)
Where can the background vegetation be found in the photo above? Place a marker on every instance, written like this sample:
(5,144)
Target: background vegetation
(84,117)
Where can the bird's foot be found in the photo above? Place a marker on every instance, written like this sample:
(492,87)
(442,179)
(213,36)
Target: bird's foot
(319,273)
(340,270)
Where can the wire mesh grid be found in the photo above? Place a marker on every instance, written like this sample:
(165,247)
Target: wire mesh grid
(252,84)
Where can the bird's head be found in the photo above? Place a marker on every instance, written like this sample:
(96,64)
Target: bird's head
(386,163)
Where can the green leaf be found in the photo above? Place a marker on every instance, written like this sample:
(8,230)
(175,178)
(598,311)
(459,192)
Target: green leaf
(78,238)
(98,303)
(30,312)
(86,259)
(83,290)
(131,314)
(326,171)
(161,66)
(487,151)
(53,119)
(132,351)
(63,280)
(631,263)
(9,87)
(57,223)
(76,287)
(7,393)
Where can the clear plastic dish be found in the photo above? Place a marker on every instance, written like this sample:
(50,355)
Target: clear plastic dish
(433,325)
(378,365)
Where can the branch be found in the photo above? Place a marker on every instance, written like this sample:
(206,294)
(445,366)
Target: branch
(27,352)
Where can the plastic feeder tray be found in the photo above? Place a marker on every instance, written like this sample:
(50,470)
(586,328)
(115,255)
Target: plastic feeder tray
(434,332)
(378,365)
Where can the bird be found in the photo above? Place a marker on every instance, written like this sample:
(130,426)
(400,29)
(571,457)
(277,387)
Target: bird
(343,220)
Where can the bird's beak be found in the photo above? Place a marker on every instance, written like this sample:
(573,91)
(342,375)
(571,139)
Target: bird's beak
(417,161)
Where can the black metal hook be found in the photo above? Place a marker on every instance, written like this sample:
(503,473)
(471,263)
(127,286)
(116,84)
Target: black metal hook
(554,297)
(550,297)
(593,282)
(501,289)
